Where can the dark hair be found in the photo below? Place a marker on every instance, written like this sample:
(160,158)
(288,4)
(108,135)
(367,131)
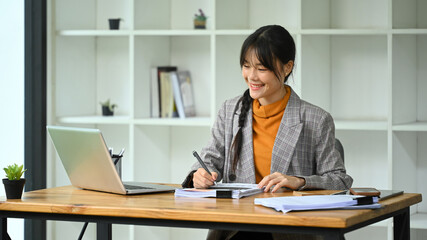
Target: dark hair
(270,43)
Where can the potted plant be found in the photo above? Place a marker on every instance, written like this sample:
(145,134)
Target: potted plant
(108,108)
(14,184)
(200,20)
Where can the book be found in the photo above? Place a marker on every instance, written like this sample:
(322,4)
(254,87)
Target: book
(166,96)
(155,87)
(319,202)
(222,190)
(183,93)
(154,94)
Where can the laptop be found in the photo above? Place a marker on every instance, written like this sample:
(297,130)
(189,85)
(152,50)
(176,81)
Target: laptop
(88,163)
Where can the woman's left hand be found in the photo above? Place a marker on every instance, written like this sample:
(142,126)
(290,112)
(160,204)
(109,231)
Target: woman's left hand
(280,180)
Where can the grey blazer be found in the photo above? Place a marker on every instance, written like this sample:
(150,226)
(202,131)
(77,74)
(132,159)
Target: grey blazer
(304,146)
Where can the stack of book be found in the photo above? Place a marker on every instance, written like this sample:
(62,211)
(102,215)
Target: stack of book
(171,93)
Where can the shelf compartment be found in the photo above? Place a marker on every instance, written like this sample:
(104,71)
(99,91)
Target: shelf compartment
(414,126)
(419,221)
(154,32)
(338,14)
(169,14)
(409,80)
(371,231)
(346,81)
(357,32)
(117,138)
(181,157)
(151,162)
(173,32)
(246,14)
(361,125)
(91,14)
(192,121)
(94,33)
(94,120)
(365,157)
(100,71)
(236,32)
(229,81)
(187,53)
(409,163)
(410,31)
(409,14)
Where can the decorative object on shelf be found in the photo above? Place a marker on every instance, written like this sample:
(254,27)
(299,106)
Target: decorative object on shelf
(14,184)
(108,108)
(114,23)
(200,20)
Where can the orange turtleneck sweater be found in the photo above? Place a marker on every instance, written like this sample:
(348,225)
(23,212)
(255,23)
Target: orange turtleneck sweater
(265,124)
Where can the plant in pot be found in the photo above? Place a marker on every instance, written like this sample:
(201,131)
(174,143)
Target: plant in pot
(200,20)
(108,108)
(14,184)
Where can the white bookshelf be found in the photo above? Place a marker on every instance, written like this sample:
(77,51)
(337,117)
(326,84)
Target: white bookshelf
(361,60)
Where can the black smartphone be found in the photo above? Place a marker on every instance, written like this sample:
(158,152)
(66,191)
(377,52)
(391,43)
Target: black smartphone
(366,191)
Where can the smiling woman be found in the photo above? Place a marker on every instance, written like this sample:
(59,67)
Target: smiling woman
(267,59)
(263,84)
(269,135)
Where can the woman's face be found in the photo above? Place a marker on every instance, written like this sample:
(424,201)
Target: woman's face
(263,83)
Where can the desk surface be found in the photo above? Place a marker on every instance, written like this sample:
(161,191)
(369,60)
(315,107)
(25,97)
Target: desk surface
(70,200)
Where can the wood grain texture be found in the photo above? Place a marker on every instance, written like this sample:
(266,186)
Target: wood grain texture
(70,200)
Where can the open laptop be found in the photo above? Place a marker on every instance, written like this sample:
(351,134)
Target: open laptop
(88,163)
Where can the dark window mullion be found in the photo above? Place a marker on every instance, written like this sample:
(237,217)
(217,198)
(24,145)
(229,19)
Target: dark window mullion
(35,106)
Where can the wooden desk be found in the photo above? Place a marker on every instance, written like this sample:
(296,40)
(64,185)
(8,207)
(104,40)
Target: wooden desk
(163,209)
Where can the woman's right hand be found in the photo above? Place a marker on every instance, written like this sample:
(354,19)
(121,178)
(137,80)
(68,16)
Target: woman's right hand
(202,179)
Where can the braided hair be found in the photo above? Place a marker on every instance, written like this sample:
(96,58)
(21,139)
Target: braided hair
(271,44)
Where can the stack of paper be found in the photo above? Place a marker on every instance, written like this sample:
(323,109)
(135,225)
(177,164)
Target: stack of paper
(221,190)
(294,203)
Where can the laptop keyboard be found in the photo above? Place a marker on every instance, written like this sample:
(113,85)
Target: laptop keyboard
(132,187)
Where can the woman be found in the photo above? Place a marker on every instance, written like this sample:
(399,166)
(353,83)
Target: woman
(269,135)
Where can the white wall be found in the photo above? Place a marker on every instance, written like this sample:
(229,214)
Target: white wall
(12,95)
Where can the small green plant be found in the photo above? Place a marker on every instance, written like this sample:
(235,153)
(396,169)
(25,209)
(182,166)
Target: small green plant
(109,105)
(201,16)
(14,172)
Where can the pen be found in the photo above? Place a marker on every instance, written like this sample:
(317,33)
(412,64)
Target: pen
(340,193)
(202,163)
(119,156)
(121,152)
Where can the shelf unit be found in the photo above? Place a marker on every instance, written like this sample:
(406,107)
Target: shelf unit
(363,61)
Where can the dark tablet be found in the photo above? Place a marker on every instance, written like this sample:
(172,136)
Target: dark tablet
(385,194)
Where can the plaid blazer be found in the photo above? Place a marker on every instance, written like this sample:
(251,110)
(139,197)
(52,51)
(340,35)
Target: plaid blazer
(304,146)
